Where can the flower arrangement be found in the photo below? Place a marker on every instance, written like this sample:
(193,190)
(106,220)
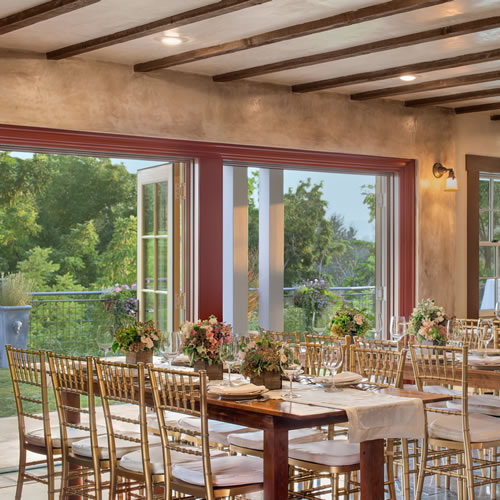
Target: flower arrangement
(349,321)
(263,355)
(122,302)
(136,337)
(428,322)
(202,341)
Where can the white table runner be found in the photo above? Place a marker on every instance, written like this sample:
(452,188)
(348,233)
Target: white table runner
(371,415)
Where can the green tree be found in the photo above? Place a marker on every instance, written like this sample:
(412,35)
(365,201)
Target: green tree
(39,268)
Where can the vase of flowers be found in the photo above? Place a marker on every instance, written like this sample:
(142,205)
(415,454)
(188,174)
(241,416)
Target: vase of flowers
(137,341)
(349,321)
(260,360)
(202,342)
(428,323)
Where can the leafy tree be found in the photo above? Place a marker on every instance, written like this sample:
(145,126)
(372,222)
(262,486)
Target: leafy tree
(39,268)
(368,191)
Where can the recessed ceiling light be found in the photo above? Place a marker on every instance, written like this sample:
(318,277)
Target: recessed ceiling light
(407,78)
(171,40)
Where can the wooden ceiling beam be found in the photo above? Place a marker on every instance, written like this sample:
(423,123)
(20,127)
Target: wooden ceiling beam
(361,15)
(445,83)
(383,74)
(443,99)
(182,19)
(364,49)
(477,108)
(41,12)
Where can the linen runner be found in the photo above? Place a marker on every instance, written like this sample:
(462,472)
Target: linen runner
(371,415)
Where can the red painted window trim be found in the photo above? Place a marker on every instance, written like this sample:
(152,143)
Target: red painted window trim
(210,157)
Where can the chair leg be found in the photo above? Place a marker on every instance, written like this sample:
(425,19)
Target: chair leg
(493,486)
(390,468)
(20,475)
(50,477)
(421,472)
(470,475)
(406,469)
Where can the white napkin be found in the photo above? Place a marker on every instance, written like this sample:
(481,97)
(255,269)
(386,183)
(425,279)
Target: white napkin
(236,390)
(340,378)
(181,358)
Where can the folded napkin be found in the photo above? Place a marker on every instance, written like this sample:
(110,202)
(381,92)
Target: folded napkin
(236,390)
(181,358)
(340,378)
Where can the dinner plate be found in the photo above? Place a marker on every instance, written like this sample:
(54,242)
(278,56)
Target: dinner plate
(238,397)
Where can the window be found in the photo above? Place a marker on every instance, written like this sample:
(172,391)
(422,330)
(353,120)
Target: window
(489,242)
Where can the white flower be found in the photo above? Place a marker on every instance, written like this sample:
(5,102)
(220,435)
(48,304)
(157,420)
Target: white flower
(213,321)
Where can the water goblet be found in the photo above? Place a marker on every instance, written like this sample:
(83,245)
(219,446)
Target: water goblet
(486,332)
(290,369)
(398,327)
(230,354)
(169,347)
(105,340)
(454,333)
(331,360)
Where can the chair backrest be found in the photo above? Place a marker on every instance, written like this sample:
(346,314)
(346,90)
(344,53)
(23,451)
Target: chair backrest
(185,393)
(314,345)
(382,367)
(124,383)
(290,338)
(471,335)
(364,343)
(317,338)
(467,322)
(28,372)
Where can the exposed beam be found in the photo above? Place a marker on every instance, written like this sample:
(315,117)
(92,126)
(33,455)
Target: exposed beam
(477,108)
(495,118)
(445,83)
(188,17)
(464,96)
(364,49)
(383,74)
(290,32)
(40,13)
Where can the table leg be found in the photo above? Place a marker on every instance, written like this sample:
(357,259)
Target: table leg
(73,400)
(276,464)
(372,470)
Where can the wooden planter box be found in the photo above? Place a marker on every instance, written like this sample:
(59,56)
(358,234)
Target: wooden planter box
(214,372)
(139,357)
(272,380)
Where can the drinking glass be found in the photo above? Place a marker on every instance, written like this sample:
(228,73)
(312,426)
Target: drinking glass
(398,327)
(230,354)
(486,335)
(454,333)
(170,346)
(105,339)
(331,360)
(290,369)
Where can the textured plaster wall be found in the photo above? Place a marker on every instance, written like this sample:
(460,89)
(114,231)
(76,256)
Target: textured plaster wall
(476,134)
(84,95)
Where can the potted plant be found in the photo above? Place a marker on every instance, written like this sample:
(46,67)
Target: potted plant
(121,301)
(15,298)
(137,341)
(428,323)
(202,341)
(349,321)
(260,360)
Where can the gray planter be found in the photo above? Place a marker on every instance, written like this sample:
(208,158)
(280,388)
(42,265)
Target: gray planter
(13,329)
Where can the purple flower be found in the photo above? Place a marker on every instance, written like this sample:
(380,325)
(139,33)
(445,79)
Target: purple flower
(126,287)
(134,286)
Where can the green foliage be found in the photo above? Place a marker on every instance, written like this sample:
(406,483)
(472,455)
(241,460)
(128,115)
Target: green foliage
(350,321)
(368,191)
(137,336)
(15,290)
(39,268)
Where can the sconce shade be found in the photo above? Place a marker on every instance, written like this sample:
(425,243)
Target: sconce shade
(439,170)
(451,184)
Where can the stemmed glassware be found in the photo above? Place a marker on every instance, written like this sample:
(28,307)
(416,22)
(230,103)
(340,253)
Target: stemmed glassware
(230,354)
(331,360)
(290,369)
(454,333)
(105,339)
(398,327)
(170,346)
(486,332)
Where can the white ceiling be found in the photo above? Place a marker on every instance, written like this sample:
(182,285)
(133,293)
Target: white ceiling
(108,16)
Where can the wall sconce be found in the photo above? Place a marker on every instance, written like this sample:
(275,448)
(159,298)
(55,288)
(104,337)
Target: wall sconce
(451,182)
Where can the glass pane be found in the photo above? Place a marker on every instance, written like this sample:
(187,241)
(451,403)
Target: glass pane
(162,311)
(484,194)
(149,263)
(162,264)
(162,208)
(496,194)
(484,225)
(496,226)
(149,306)
(487,261)
(149,203)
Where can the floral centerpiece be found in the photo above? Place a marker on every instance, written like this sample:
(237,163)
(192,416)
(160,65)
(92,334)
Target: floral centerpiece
(349,321)
(262,359)
(122,302)
(202,342)
(137,341)
(428,323)
(313,297)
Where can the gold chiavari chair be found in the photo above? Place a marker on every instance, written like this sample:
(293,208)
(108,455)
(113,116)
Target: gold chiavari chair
(203,476)
(72,377)
(134,455)
(314,345)
(467,322)
(364,343)
(452,431)
(29,381)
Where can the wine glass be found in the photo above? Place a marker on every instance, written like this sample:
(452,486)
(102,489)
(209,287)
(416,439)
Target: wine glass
(290,369)
(486,332)
(331,360)
(230,354)
(169,347)
(105,339)
(398,327)
(454,333)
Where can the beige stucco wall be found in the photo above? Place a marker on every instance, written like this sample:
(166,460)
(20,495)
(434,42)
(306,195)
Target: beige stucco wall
(84,95)
(476,134)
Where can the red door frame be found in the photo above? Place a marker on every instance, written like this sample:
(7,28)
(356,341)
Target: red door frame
(210,158)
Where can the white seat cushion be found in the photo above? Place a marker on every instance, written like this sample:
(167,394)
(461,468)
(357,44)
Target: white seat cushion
(330,453)
(171,418)
(218,431)
(482,403)
(133,461)
(483,428)
(255,440)
(226,471)
(436,389)
(36,437)
(123,446)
